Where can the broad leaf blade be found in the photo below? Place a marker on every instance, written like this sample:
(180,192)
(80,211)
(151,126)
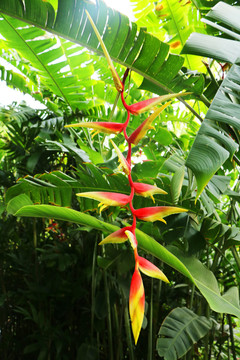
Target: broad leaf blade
(176,184)
(180,330)
(207,284)
(213,145)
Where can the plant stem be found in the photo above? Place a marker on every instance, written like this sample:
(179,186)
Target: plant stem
(192,296)
(206,340)
(119,350)
(236,256)
(229,318)
(93,289)
(220,345)
(211,75)
(109,323)
(127,328)
(217,255)
(150,324)
(34,234)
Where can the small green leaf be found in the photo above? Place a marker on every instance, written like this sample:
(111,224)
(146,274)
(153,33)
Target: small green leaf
(17,203)
(94,156)
(148,169)
(176,184)
(163,136)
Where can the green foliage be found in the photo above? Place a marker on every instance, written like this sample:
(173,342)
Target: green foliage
(215,143)
(179,331)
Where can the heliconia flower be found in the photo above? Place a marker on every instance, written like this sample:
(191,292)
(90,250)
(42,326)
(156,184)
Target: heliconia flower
(141,130)
(157,213)
(148,104)
(136,303)
(150,269)
(123,162)
(132,238)
(100,126)
(116,237)
(147,190)
(106,198)
(117,81)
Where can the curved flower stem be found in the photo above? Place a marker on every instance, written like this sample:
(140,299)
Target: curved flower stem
(129,154)
(125,126)
(131,198)
(124,102)
(130,180)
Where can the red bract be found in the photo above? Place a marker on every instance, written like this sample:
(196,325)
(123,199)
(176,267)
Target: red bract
(106,198)
(116,237)
(132,238)
(150,269)
(147,190)
(157,213)
(142,129)
(101,126)
(136,303)
(148,104)
(123,162)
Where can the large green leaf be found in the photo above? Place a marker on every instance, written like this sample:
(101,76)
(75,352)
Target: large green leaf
(214,142)
(188,266)
(126,45)
(179,331)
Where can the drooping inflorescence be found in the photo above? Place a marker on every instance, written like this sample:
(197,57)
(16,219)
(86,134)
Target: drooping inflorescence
(137,295)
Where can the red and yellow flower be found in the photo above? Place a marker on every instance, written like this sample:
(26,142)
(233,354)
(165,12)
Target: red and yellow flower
(157,213)
(146,190)
(100,126)
(106,198)
(136,303)
(137,295)
(123,162)
(116,237)
(142,129)
(146,105)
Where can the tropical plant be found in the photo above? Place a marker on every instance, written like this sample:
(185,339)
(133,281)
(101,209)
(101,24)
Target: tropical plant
(61,162)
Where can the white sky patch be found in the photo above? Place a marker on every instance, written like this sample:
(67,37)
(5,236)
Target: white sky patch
(9,95)
(122,6)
